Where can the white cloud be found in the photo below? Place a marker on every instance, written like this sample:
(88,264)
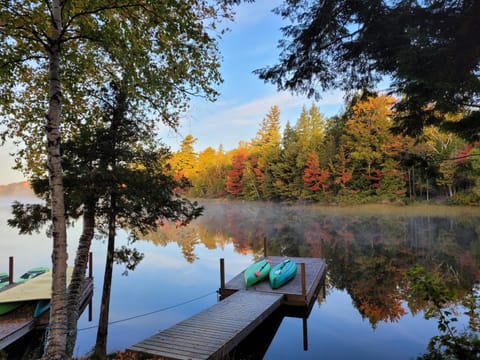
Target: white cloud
(251,112)
(228,122)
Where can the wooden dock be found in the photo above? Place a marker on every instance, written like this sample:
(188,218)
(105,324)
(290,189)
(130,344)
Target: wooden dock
(20,322)
(216,331)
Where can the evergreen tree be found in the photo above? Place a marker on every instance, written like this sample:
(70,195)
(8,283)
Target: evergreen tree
(266,149)
(310,128)
(287,175)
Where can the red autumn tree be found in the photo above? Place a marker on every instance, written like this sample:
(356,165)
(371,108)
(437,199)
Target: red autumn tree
(314,177)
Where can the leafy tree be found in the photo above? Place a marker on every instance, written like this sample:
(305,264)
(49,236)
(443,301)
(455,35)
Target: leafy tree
(351,45)
(125,187)
(71,50)
(369,143)
(209,173)
(452,343)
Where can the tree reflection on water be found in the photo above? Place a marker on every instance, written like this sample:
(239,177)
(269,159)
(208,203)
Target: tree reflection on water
(367,249)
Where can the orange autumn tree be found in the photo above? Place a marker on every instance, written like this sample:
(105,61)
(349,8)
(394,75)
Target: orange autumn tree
(235,184)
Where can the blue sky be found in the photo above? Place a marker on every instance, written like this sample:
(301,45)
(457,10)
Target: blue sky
(244,101)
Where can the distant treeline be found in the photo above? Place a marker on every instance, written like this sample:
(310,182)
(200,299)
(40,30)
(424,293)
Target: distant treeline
(16,190)
(353,157)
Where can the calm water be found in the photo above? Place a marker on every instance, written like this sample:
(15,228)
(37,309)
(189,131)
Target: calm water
(364,314)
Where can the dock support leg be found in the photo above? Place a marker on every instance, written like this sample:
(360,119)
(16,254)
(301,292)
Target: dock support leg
(222,275)
(305,334)
(10,270)
(90,311)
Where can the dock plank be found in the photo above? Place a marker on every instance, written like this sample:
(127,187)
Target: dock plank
(213,332)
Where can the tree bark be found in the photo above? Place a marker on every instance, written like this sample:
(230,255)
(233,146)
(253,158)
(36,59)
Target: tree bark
(78,275)
(102,332)
(56,335)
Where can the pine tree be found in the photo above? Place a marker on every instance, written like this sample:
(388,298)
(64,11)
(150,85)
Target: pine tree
(266,149)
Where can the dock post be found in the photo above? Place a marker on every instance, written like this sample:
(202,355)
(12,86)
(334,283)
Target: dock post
(265,251)
(90,311)
(90,263)
(305,334)
(10,270)
(304,281)
(222,275)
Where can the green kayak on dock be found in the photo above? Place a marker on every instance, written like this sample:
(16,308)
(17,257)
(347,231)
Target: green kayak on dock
(257,272)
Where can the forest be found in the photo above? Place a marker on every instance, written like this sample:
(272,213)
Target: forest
(355,157)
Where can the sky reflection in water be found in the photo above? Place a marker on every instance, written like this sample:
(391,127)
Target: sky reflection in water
(364,314)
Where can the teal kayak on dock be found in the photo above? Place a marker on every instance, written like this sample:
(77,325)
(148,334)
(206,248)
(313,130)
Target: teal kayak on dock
(257,272)
(282,273)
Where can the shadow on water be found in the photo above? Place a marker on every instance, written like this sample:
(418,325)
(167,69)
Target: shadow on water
(256,345)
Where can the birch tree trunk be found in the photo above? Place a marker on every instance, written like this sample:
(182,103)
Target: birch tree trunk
(56,334)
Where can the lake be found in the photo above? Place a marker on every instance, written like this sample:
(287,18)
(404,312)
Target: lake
(364,313)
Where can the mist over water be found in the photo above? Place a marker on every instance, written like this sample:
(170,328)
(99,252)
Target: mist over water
(365,314)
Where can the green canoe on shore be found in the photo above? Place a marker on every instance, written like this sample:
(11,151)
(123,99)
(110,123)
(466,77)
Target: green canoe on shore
(7,306)
(3,279)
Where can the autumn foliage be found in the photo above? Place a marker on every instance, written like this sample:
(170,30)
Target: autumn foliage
(351,156)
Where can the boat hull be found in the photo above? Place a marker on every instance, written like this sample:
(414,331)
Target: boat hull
(257,272)
(282,273)
(5,308)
